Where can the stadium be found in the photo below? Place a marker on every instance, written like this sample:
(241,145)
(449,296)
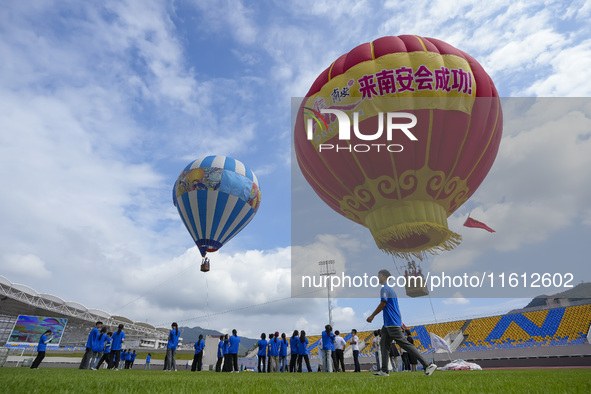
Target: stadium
(211,162)
(554,334)
(17,299)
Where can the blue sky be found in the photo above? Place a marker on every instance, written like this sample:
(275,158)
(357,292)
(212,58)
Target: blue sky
(103,103)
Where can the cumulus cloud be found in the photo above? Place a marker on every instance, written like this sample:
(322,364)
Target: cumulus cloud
(26,266)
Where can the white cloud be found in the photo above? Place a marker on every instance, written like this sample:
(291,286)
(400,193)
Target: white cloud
(26,266)
(457,299)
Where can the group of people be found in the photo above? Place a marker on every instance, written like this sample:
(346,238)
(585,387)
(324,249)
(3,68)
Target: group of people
(103,346)
(106,346)
(333,350)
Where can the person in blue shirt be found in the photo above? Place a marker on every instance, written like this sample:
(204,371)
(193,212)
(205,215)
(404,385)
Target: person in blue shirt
(271,336)
(97,348)
(42,348)
(116,346)
(234,342)
(173,342)
(293,348)
(283,353)
(94,333)
(262,354)
(227,360)
(133,356)
(128,359)
(392,329)
(218,364)
(327,348)
(303,351)
(148,359)
(198,357)
(107,355)
(124,359)
(274,348)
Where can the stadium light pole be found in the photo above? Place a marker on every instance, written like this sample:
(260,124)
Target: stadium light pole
(327,269)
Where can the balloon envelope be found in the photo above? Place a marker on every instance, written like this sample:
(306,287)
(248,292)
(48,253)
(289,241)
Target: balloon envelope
(216,197)
(403,196)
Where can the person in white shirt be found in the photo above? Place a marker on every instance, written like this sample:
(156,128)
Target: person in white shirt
(340,344)
(376,347)
(355,347)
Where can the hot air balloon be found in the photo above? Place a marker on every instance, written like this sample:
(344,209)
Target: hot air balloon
(216,197)
(402,190)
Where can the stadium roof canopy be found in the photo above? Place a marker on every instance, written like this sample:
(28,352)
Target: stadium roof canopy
(18,299)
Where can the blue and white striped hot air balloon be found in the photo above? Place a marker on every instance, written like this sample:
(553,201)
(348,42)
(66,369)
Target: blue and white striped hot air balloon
(216,197)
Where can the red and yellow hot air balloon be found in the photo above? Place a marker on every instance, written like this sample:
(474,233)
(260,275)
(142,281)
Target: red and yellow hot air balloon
(402,190)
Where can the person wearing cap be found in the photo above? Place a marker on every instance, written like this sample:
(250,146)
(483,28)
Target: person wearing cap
(173,342)
(116,345)
(41,348)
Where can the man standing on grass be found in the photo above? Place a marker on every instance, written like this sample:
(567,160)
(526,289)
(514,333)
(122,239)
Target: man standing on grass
(392,330)
(234,342)
(355,348)
(94,333)
(339,344)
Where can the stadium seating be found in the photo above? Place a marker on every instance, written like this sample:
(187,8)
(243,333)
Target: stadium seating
(550,327)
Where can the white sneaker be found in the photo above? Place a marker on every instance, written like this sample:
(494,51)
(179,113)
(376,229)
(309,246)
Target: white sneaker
(430,369)
(381,373)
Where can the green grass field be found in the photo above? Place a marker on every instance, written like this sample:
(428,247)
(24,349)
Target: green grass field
(63,380)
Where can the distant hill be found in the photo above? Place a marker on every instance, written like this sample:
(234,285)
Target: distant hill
(580,292)
(191,334)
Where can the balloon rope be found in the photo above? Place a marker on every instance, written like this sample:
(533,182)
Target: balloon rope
(207,301)
(433,310)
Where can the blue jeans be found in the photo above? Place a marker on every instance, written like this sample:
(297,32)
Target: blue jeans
(326,360)
(377,353)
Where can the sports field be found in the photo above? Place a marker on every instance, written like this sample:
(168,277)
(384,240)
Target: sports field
(58,380)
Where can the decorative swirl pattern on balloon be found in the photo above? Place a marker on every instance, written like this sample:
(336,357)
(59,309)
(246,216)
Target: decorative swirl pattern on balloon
(408,181)
(435,183)
(387,187)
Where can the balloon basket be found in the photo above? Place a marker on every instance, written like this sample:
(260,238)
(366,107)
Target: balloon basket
(415,289)
(205,265)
